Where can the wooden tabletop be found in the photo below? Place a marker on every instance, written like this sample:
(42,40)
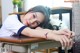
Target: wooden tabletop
(21,40)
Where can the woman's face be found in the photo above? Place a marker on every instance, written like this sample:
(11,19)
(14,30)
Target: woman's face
(33,19)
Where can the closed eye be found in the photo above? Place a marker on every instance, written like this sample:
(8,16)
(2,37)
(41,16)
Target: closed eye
(34,16)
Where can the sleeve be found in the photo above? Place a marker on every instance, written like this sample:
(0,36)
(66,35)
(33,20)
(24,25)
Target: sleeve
(13,24)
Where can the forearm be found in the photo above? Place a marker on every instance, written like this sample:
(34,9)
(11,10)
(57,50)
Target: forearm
(34,33)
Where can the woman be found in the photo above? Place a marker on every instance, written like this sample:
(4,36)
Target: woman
(32,23)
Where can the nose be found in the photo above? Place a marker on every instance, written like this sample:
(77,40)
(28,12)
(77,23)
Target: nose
(33,20)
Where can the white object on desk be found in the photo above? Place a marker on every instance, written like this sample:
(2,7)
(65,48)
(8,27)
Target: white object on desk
(57,22)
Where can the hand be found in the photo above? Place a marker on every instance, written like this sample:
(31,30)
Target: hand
(68,33)
(65,41)
(65,32)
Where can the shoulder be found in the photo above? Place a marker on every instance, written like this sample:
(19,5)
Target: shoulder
(12,21)
(11,17)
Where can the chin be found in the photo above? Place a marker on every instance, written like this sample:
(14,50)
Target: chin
(32,26)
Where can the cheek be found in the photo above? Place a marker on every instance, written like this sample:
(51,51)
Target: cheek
(30,16)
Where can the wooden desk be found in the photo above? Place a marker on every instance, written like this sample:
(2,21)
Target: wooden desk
(27,44)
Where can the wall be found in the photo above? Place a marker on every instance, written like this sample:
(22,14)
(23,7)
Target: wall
(31,3)
(76,26)
(0,13)
(7,8)
(50,3)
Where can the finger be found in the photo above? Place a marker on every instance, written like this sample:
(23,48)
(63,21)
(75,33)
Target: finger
(64,41)
(67,41)
(71,43)
(68,32)
(73,34)
(61,41)
(65,33)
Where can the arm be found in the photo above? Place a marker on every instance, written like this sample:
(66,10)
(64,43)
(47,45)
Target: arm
(33,32)
(51,35)
(66,32)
